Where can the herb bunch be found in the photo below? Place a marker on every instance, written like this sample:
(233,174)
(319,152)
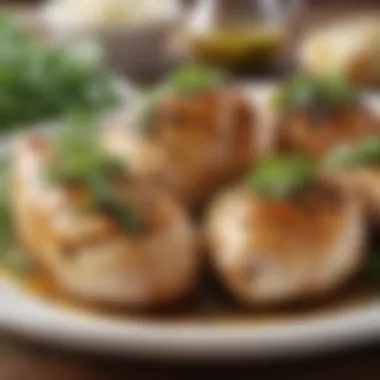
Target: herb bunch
(324,92)
(366,152)
(281,177)
(186,81)
(40,81)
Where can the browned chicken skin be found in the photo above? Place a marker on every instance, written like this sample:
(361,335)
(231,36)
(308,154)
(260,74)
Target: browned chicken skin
(88,253)
(316,133)
(208,139)
(364,183)
(275,251)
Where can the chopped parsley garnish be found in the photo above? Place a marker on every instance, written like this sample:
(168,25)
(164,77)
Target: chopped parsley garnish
(322,92)
(80,161)
(280,177)
(347,156)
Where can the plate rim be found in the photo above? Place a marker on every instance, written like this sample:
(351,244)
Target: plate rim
(37,318)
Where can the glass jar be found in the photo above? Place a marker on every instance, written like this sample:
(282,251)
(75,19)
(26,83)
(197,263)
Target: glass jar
(244,36)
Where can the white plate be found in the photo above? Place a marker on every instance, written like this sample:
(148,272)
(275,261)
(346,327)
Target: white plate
(40,319)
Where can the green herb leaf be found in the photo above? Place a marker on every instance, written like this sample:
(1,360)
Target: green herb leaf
(78,150)
(191,79)
(10,257)
(38,81)
(364,153)
(16,261)
(303,90)
(279,177)
(124,215)
(187,80)
(82,161)
(6,226)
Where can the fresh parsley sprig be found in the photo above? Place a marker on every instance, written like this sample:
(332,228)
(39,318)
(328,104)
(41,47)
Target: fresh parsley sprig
(364,153)
(40,81)
(280,177)
(327,92)
(81,161)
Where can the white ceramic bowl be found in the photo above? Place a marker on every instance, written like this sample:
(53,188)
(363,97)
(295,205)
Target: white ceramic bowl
(137,48)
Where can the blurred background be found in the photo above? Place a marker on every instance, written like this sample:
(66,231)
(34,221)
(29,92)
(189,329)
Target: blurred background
(249,38)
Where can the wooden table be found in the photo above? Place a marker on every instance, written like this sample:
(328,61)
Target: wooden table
(21,360)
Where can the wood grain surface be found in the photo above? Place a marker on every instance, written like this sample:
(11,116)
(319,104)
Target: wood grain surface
(20,359)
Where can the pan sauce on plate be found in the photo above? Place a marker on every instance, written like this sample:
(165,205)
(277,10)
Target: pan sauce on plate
(209,304)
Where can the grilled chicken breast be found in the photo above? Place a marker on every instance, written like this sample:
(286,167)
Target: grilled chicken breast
(317,132)
(87,253)
(364,183)
(268,251)
(208,139)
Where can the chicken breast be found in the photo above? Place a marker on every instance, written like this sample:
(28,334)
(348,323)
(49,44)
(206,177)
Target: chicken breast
(268,252)
(364,183)
(355,167)
(317,132)
(87,254)
(208,139)
(141,155)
